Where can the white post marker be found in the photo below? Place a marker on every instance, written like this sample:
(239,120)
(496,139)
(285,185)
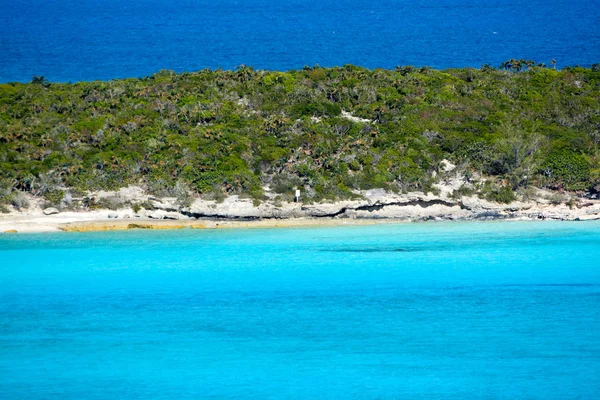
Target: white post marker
(297,195)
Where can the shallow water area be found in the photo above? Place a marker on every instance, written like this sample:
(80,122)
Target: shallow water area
(429,310)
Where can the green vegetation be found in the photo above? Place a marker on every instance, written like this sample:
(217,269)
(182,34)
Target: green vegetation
(219,132)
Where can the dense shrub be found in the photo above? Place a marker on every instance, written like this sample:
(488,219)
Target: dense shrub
(567,170)
(501,195)
(215,133)
(54,197)
(19,200)
(463,191)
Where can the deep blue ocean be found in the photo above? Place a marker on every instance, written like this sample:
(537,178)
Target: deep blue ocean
(494,310)
(72,40)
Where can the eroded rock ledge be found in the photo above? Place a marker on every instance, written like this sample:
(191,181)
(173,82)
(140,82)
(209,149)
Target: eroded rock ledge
(378,204)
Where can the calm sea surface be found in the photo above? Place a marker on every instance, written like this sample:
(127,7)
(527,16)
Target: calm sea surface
(506,310)
(72,40)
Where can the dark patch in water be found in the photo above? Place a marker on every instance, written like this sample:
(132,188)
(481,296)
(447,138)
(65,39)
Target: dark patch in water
(371,250)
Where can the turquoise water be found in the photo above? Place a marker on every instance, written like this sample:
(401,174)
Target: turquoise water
(500,310)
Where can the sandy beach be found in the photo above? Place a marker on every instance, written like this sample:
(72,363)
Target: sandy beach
(97,221)
(89,221)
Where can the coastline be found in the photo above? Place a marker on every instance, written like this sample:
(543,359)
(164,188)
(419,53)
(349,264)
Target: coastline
(93,222)
(377,207)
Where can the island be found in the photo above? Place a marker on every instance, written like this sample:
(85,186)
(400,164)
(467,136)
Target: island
(248,147)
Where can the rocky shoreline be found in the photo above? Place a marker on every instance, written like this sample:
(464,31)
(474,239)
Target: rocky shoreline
(371,206)
(379,205)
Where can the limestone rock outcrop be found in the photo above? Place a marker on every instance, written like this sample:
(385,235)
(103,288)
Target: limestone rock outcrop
(379,204)
(51,211)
